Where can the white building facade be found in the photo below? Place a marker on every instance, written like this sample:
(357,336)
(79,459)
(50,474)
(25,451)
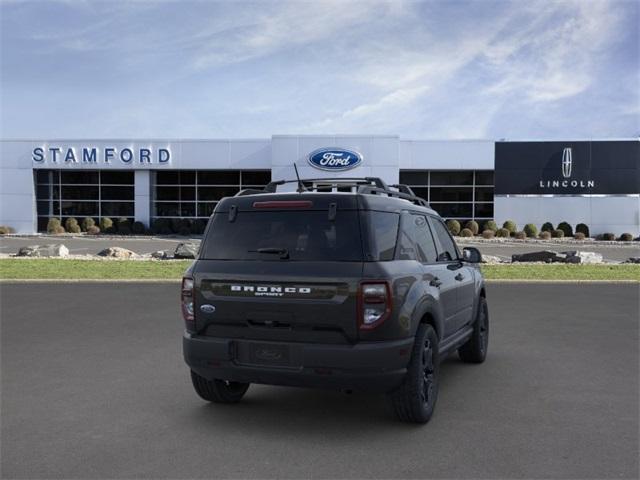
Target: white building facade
(592,182)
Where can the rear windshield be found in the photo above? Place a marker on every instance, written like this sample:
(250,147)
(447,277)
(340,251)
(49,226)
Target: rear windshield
(284,235)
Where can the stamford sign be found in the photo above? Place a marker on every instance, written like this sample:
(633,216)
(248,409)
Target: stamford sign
(95,155)
(334,159)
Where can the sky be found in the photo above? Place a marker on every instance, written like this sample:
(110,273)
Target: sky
(421,70)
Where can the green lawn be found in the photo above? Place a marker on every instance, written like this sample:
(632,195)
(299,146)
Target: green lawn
(167,270)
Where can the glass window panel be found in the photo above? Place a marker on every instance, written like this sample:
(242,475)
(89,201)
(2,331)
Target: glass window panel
(56,208)
(168,178)
(187,193)
(484,194)
(168,193)
(447,250)
(422,192)
(79,192)
(187,209)
(409,177)
(167,209)
(188,177)
(453,177)
(256,178)
(216,193)
(484,210)
(42,224)
(384,231)
(89,177)
(55,191)
(42,176)
(452,210)
(117,177)
(484,177)
(219,177)
(117,209)
(451,194)
(76,209)
(117,193)
(206,209)
(42,191)
(43,208)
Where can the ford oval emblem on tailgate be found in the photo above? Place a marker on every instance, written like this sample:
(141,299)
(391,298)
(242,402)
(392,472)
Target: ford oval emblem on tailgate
(206,308)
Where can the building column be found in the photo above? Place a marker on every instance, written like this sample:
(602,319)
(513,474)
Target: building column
(142,192)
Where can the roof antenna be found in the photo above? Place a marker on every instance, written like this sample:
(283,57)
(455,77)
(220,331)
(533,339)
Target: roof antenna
(301,187)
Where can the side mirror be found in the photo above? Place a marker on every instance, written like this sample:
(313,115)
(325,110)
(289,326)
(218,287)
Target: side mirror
(471,255)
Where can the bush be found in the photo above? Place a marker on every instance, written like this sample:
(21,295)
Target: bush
(52,224)
(473,226)
(71,225)
(510,225)
(566,228)
(198,226)
(5,229)
(520,235)
(503,233)
(454,227)
(184,227)
(93,230)
(583,228)
(87,222)
(557,233)
(579,236)
(545,235)
(547,227)
(161,226)
(488,234)
(106,225)
(466,232)
(490,225)
(123,226)
(626,237)
(607,237)
(530,230)
(58,230)
(138,228)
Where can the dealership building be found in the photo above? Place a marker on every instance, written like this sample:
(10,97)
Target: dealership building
(596,182)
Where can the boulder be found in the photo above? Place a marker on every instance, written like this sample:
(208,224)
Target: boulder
(632,260)
(582,257)
(491,259)
(186,250)
(160,255)
(546,256)
(51,250)
(117,252)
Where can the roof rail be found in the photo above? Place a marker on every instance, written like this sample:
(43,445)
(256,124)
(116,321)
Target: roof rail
(363,185)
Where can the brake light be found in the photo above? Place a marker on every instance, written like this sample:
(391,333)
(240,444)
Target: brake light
(186,297)
(374,304)
(284,204)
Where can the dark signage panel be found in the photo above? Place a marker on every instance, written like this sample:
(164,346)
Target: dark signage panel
(567,168)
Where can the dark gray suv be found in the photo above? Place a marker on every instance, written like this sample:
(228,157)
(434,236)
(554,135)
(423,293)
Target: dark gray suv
(346,283)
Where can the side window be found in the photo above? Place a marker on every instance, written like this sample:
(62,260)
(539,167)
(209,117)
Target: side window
(425,239)
(447,250)
(384,229)
(416,242)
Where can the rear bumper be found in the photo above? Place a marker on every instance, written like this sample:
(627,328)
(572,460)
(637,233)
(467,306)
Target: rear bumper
(367,366)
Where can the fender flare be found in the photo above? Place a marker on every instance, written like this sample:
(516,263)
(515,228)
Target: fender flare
(428,307)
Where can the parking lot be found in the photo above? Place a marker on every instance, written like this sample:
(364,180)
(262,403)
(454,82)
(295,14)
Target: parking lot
(94,386)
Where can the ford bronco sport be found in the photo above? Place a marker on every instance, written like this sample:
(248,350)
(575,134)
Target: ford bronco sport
(348,284)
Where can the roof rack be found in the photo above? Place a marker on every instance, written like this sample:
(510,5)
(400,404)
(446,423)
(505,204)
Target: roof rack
(363,185)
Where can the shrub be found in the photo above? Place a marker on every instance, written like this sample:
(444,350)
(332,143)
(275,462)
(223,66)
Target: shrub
(198,226)
(503,233)
(583,228)
(473,226)
(123,226)
(626,237)
(71,225)
(454,227)
(530,230)
(607,237)
(58,230)
(184,227)
(566,228)
(579,236)
(161,226)
(510,225)
(490,225)
(138,228)
(466,232)
(87,222)
(547,227)
(93,230)
(557,233)
(106,225)
(520,235)
(488,234)
(52,225)
(4,229)
(545,235)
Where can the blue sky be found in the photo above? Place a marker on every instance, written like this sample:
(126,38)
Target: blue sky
(423,70)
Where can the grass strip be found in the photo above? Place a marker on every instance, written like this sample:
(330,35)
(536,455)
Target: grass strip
(61,269)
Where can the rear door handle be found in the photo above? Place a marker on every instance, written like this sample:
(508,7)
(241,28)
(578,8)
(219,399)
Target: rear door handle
(459,277)
(435,282)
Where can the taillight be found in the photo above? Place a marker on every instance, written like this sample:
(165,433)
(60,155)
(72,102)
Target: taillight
(186,298)
(374,304)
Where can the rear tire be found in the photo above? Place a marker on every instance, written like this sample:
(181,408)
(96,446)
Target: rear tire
(415,400)
(475,350)
(218,391)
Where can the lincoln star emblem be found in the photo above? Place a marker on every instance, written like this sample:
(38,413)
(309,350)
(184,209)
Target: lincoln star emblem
(566,162)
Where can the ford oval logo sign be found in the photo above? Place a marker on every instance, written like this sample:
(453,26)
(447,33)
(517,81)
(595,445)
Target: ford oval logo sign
(334,159)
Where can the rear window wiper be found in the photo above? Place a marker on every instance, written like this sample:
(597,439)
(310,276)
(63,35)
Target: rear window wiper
(283,252)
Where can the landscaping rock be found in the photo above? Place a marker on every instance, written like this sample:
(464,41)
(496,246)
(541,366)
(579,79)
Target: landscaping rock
(160,255)
(546,256)
(582,257)
(186,250)
(51,250)
(632,260)
(491,259)
(117,252)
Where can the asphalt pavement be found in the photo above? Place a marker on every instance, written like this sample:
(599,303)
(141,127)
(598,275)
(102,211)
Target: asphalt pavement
(94,386)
